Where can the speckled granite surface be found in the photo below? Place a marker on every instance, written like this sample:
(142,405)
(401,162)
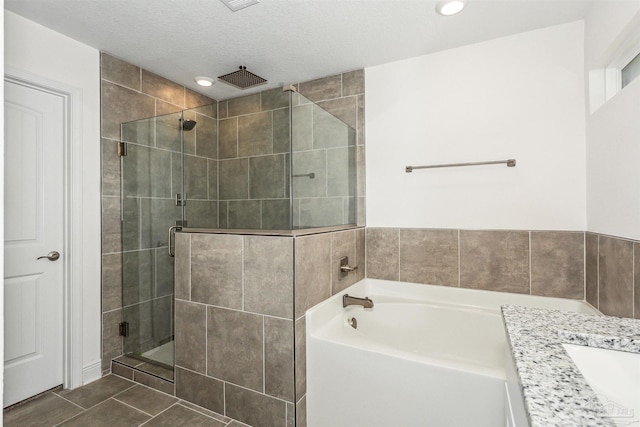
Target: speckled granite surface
(554,391)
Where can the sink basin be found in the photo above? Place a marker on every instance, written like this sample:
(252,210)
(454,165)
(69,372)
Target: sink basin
(614,376)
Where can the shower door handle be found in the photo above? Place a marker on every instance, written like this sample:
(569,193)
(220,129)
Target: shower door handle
(172,233)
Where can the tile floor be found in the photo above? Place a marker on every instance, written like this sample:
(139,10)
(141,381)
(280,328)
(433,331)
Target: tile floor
(112,401)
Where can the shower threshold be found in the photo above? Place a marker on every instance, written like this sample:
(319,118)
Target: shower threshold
(162,354)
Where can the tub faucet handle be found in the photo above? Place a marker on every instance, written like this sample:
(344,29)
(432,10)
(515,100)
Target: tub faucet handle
(345,268)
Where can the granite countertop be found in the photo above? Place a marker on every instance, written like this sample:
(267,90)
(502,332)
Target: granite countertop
(555,392)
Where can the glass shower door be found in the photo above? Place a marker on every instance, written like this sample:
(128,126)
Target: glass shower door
(151,180)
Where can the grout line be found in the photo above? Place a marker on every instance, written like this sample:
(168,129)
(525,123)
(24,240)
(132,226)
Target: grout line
(208,182)
(237,137)
(70,401)
(110,397)
(140,302)
(530,282)
(140,228)
(69,419)
(264,358)
(250,390)
(584,264)
(159,413)
(206,339)
(242,251)
(300,400)
(155,274)
(202,412)
(154,389)
(189,261)
(330,265)
(598,272)
(459,263)
(131,406)
(398,277)
(364,240)
(102,79)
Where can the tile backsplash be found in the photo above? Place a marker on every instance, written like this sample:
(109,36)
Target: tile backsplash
(549,263)
(613,275)
(602,269)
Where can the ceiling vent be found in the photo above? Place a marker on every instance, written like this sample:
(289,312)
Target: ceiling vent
(242,79)
(236,5)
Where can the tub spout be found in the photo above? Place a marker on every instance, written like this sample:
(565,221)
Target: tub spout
(365,302)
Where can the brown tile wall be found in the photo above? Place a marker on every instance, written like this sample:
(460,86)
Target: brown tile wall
(237,323)
(613,275)
(242,282)
(549,263)
(317,260)
(130,93)
(603,270)
(254,160)
(234,325)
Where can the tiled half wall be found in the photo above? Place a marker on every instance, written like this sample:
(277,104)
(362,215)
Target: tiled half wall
(240,304)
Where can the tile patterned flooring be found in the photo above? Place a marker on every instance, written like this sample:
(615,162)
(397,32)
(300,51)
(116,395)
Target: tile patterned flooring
(112,401)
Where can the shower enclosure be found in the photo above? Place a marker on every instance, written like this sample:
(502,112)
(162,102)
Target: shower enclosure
(272,167)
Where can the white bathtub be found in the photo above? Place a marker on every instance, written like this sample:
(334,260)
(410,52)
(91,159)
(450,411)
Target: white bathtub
(422,356)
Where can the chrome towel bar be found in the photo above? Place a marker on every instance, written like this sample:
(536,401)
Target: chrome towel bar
(510,163)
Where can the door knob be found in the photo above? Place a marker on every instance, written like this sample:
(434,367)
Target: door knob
(51,256)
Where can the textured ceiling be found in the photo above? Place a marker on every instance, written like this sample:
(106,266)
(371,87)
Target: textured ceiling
(284,41)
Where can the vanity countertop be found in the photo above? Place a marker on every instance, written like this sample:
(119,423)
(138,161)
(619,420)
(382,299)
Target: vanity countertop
(555,392)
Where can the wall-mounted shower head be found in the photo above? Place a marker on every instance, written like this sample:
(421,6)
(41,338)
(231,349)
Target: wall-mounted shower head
(188,124)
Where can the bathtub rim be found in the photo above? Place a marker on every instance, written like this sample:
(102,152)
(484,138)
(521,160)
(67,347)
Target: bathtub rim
(318,316)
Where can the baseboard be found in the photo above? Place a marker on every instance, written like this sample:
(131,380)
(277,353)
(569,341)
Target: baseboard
(92,372)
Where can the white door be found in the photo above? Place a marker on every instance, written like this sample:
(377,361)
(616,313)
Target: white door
(33,209)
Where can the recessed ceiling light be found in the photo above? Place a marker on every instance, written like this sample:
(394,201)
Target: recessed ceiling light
(450,7)
(204,81)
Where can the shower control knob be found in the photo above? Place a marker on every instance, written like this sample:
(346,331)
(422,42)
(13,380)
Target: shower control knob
(51,256)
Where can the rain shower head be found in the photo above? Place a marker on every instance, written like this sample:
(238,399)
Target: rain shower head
(188,124)
(242,79)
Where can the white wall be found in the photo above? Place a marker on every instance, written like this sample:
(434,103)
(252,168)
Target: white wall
(516,97)
(613,130)
(2,210)
(34,49)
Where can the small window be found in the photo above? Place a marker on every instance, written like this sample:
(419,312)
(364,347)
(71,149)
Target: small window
(631,71)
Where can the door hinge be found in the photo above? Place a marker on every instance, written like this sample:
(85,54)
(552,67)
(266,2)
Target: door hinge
(122,149)
(123,327)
